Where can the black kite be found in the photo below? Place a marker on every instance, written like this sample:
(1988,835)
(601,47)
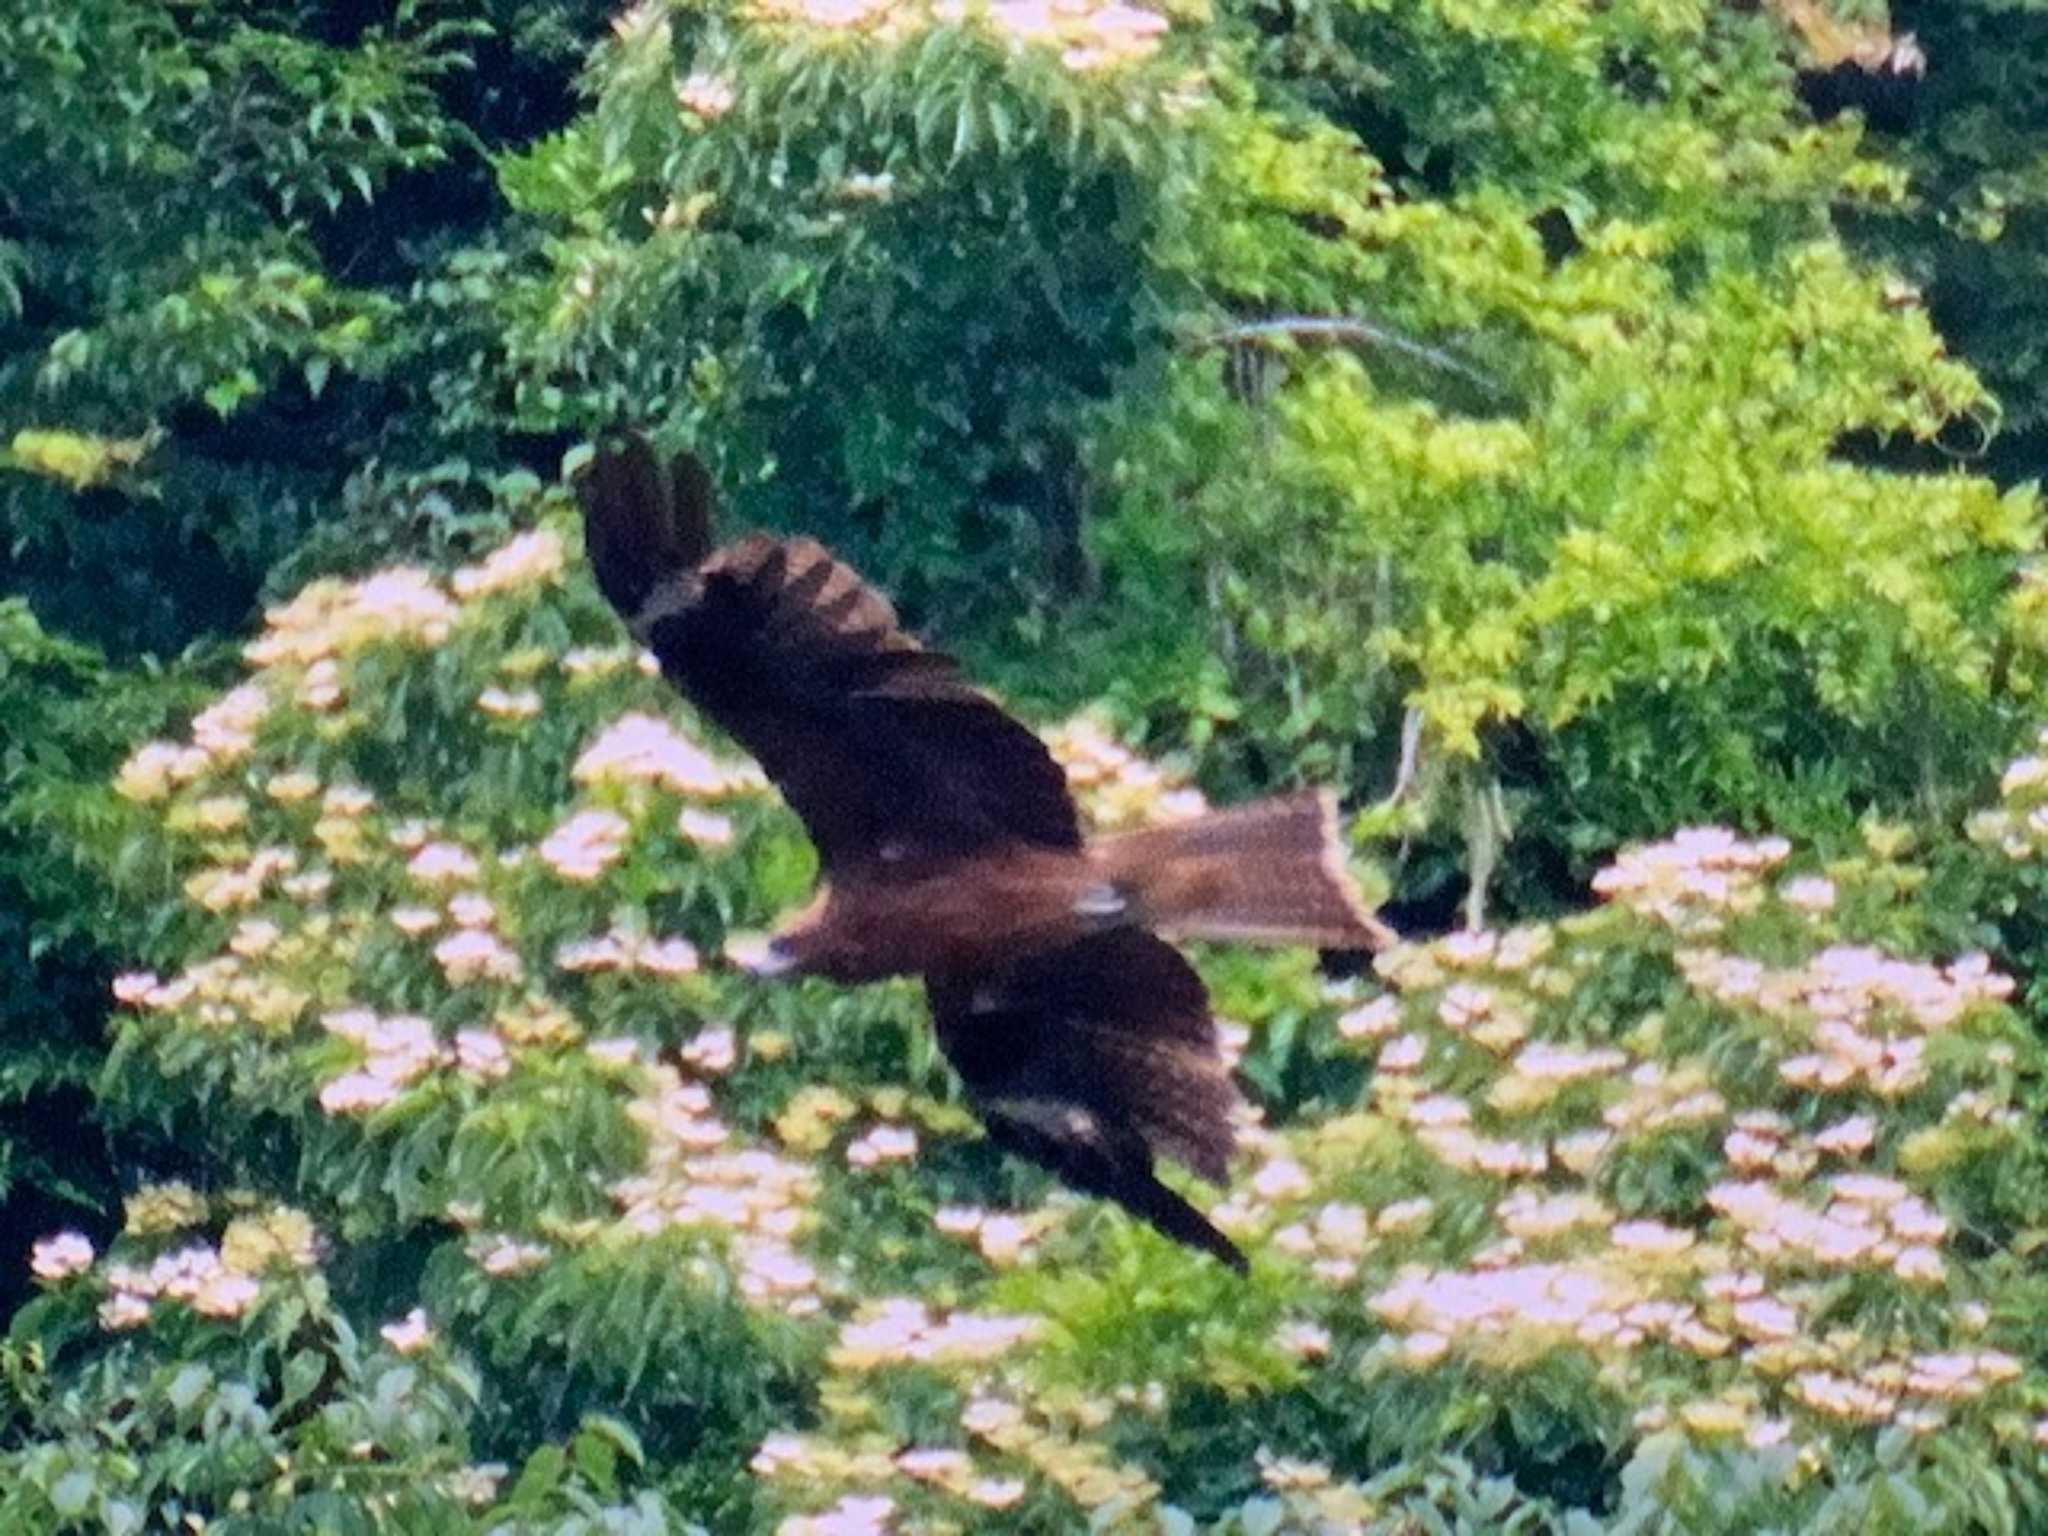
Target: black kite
(951,850)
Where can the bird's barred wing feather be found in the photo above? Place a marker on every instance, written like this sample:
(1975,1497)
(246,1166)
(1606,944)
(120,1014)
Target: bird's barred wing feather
(882,748)
(1092,1060)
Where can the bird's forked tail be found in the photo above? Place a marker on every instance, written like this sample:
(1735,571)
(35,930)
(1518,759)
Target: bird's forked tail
(1271,872)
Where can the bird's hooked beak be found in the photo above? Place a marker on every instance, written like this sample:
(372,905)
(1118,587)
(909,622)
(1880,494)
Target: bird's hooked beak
(760,956)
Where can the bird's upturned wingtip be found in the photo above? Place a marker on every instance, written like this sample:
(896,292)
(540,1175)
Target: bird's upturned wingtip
(646,520)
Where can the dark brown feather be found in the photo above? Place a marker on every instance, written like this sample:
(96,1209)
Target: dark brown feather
(1094,1059)
(643,519)
(883,748)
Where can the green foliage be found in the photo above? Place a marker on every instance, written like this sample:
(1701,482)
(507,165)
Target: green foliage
(1708,1209)
(1574,499)
(215,217)
(136,294)
(291,1421)
(211,219)
(1650,593)
(1974,234)
(891,273)
(1539,396)
(68,723)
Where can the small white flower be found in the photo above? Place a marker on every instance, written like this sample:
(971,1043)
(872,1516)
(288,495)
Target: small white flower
(62,1256)
(410,1334)
(713,1050)
(481,1054)
(123,1310)
(709,96)
(357,1093)
(884,1144)
(527,560)
(1809,893)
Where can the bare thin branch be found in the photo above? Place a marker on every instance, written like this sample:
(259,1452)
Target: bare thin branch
(1343,329)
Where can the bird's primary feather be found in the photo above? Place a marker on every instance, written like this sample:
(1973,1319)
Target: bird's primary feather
(879,745)
(1093,1060)
(645,520)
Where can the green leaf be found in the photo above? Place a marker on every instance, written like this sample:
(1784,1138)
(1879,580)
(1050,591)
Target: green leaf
(187,1386)
(540,1477)
(72,1493)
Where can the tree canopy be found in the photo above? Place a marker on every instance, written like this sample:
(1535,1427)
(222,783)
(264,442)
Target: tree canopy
(1598,440)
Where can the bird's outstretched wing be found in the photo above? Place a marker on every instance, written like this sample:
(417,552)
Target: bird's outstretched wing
(1092,1060)
(883,748)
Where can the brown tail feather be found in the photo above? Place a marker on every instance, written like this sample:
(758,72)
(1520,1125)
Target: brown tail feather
(1271,872)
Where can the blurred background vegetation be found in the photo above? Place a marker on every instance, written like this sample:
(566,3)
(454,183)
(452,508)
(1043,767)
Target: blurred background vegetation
(1551,423)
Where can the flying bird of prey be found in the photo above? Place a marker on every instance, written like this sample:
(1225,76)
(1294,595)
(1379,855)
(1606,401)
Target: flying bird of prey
(951,850)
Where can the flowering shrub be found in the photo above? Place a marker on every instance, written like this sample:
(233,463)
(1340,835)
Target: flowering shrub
(476,1191)
(1480,372)
(1700,1207)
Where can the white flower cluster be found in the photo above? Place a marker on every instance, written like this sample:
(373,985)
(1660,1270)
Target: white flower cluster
(529,560)
(885,1143)
(398,1050)
(898,1329)
(61,1257)
(217,994)
(1005,1238)
(706,95)
(641,749)
(1088,35)
(694,1178)
(853,1515)
(1503,1312)
(586,845)
(621,951)
(1868,1221)
(1696,880)
(1115,787)
(1868,1014)
(214,1281)
(410,1335)
(2019,826)
(807,1461)
(332,619)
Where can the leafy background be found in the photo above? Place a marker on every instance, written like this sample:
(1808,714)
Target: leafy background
(1661,455)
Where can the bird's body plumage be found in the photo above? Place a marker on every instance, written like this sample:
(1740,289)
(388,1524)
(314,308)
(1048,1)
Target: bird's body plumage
(951,849)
